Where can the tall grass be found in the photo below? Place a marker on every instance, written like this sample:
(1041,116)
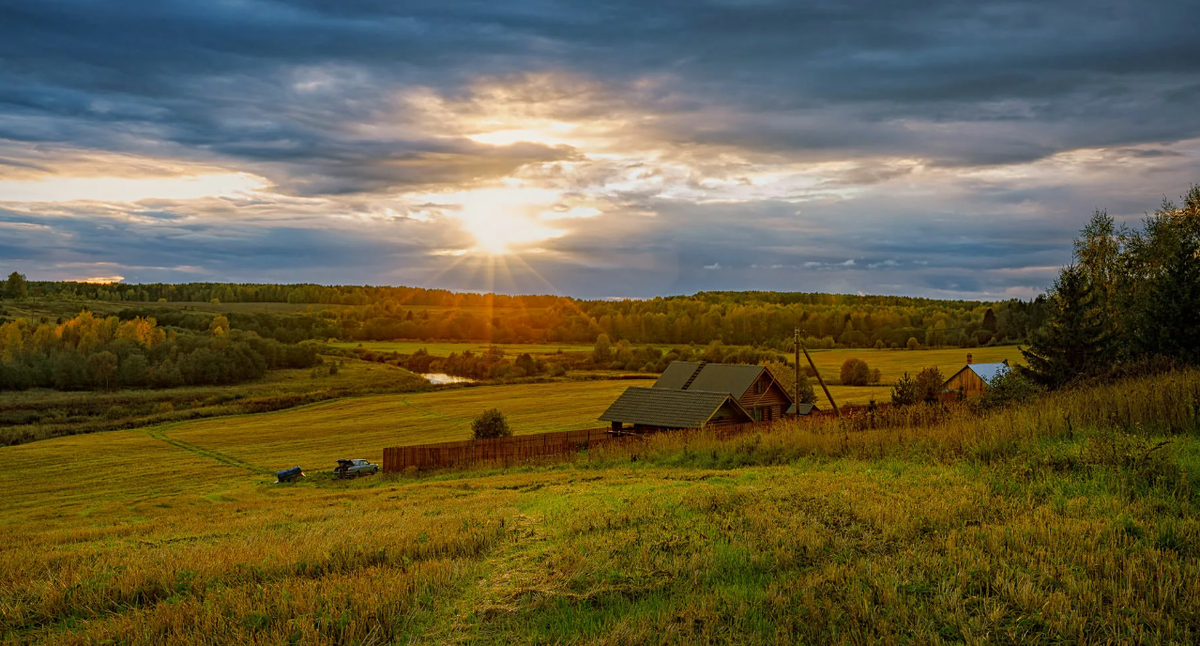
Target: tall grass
(313,570)
(1150,406)
(1072,519)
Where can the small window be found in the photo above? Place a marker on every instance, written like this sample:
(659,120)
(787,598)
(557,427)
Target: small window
(760,387)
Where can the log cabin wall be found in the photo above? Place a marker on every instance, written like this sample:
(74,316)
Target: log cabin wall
(967,382)
(765,399)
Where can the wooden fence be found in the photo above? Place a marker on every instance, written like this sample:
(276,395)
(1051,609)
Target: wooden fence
(504,450)
(519,448)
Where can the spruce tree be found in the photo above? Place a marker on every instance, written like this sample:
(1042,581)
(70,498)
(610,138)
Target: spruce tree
(1073,342)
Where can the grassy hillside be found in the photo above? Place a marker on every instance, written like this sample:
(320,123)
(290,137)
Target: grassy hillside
(36,414)
(1071,520)
(360,427)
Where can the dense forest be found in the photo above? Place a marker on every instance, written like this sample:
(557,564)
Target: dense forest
(762,319)
(89,352)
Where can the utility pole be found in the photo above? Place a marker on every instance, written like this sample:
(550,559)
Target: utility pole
(800,346)
(797,382)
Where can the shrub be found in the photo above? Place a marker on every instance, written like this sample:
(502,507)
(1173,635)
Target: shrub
(490,424)
(929,384)
(855,372)
(1010,386)
(602,351)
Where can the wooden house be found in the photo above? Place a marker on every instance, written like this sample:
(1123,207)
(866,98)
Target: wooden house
(640,409)
(973,380)
(753,387)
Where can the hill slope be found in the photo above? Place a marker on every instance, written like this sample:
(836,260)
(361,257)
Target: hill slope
(1066,520)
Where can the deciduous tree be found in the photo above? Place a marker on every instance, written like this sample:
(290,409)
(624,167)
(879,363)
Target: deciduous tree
(15,287)
(490,424)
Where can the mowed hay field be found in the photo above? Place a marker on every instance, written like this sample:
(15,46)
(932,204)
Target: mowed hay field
(1044,524)
(361,427)
(446,348)
(891,363)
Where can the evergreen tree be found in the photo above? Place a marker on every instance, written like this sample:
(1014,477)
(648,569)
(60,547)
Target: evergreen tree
(904,392)
(1073,343)
(989,320)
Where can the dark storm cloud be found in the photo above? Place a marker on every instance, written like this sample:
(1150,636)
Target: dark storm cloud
(310,95)
(217,78)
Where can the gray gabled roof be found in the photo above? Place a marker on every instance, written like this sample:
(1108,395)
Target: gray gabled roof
(677,374)
(670,408)
(726,378)
(734,379)
(988,371)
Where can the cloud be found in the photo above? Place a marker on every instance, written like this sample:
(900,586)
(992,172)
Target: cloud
(879,146)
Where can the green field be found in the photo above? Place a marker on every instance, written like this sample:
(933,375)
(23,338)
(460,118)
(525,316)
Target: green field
(891,363)
(445,348)
(361,427)
(1056,522)
(39,413)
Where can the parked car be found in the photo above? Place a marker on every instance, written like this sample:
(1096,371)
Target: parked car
(287,475)
(354,468)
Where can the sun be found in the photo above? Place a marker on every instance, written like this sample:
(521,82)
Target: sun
(502,219)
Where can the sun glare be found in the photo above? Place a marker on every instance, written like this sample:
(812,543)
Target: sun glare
(502,220)
(548,133)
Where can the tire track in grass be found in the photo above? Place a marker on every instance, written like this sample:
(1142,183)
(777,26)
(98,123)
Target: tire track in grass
(160,433)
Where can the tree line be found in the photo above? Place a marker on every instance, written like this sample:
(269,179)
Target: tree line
(90,352)
(763,319)
(1128,303)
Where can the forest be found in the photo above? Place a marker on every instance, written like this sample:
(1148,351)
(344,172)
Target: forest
(761,319)
(90,352)
(1128,303)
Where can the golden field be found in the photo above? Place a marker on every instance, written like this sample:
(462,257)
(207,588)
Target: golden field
(1072,519)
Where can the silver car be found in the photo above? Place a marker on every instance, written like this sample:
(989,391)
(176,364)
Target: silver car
(354,468)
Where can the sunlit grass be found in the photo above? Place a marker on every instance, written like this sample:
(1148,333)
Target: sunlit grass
(361,427)
(1055,522)
(446,348)
(35,414)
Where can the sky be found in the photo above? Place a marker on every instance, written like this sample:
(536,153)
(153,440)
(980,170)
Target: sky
(594,149)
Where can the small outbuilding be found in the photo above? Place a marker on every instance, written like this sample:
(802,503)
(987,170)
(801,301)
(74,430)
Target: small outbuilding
(803,408)
(641,409)
(973,380)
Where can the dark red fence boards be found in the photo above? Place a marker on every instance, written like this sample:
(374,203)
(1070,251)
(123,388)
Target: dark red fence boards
(505,449)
